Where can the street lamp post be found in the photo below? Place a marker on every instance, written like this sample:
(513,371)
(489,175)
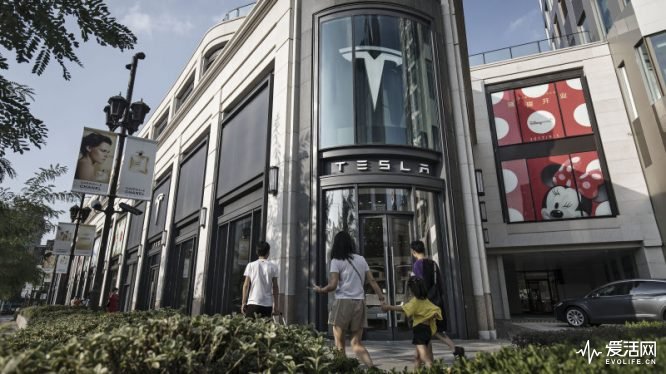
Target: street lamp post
(119,113)
(77,214)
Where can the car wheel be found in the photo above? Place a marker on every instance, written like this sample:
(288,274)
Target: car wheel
(576,317)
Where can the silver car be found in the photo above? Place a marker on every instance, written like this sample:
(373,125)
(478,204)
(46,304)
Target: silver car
(616,302)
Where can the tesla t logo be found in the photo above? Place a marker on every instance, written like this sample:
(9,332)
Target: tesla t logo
(374,66)
(158,205)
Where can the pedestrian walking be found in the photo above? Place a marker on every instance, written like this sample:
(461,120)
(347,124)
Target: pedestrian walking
(424,315)
(260,289)
(349,273)
(428,270)
(113,304)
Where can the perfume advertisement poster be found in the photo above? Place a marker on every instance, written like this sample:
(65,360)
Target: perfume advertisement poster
(61,264)
(85,238)
(48,263)
(64,238)
(136,173)
(95,162)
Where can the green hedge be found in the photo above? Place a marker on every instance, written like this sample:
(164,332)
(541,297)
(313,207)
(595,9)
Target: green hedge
(605,333)
(168,344)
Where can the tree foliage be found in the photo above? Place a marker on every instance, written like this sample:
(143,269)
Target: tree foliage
(36,32)
(24,218)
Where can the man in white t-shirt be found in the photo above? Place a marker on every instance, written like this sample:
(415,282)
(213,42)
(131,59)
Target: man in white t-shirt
(260,290)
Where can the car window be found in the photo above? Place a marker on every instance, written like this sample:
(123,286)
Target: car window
(616,289)
(649,288)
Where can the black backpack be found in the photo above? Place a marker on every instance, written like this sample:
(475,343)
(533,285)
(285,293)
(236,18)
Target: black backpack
(433,281)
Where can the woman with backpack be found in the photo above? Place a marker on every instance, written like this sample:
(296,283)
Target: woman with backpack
(428,270)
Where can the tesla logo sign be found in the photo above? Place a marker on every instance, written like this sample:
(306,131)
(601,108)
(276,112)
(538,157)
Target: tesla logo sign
(374,66)
(362,166)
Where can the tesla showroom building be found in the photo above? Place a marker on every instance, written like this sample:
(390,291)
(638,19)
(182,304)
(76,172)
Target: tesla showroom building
(304,118)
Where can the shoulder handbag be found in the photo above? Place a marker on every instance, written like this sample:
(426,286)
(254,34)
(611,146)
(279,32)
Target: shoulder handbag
(436,295)
(357,273)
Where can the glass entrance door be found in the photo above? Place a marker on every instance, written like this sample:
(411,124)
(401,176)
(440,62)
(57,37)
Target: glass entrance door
(385,245)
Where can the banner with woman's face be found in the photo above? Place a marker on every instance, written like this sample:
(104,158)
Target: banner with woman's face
(95,162)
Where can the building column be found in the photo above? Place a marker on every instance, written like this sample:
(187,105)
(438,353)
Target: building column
(500,300)
(650,262)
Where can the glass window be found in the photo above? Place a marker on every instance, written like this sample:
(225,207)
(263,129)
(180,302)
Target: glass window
(384,199)
(212,56)
(649,74)
(184,92)
(336,89)
(649,288)
(377,82)
(425,215)
(560,180)
(119,236)
(658,42)
(160,125)
(339,215)
(617,289)
(605,14)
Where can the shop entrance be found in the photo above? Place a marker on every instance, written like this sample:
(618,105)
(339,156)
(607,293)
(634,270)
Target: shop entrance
(385,242)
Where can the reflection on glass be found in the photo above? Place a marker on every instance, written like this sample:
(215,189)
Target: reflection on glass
(426,221)
(340,215)
(400,237)
(336,111)
(373,244)
(239,243)
(153,274)
(649,74)
(185,252)
(384,199)
(390,94)
(659,47)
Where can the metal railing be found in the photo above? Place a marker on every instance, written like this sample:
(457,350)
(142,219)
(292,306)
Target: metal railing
(241,11)
(530,48)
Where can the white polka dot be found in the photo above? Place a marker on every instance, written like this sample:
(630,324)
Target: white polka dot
(541,122)
(510,180)
(496,97)
(581,116)
(562,177)
(569,169)
(535,91)
(575,84)
(603,209)
(575,159)
(515,216)
(586,185)
(593,165)
(597,176)
(502,127)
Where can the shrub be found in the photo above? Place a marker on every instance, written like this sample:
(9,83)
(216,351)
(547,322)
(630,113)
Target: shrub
(578,337)
(180,344)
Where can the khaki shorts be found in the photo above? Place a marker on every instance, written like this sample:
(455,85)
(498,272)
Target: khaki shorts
(348,314)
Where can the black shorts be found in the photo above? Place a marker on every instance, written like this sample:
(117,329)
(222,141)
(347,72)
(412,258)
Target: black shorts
(262,311)
(422,334)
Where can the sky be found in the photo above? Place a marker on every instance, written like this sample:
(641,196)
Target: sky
(168,32)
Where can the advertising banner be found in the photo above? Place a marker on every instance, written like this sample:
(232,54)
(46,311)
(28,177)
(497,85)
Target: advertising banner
(63,239)
(136,172)
(95,162)
(119,237)
(84,240)
(48,263)
(61,264)
(539,113)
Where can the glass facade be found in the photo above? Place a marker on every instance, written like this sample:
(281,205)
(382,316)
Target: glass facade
(376,82)
(649,73)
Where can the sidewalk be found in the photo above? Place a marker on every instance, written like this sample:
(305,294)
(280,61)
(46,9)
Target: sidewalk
(389,355)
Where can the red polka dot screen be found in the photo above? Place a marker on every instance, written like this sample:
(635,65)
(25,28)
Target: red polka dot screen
(555,187)
(539,113)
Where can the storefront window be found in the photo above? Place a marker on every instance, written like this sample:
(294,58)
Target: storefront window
(559,178)
(376,82)
(426,221)
(340,215)
(384,199)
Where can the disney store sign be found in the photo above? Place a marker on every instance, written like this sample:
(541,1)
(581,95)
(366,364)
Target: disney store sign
(350,166)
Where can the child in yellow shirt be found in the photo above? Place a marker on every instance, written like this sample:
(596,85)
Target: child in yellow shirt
(424,315)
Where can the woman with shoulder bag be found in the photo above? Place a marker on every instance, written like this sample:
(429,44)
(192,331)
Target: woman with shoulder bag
(348,275)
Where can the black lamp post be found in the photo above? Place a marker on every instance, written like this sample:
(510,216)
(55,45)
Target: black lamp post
(77,214)
(119,113)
